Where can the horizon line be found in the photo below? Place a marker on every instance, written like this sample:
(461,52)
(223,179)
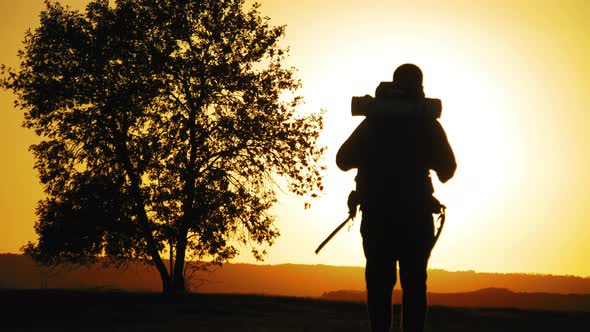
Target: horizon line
(362,267)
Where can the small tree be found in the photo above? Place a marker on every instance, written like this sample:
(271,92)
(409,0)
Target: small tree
(165,129)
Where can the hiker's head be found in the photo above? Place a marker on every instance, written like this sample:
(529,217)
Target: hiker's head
(408,78)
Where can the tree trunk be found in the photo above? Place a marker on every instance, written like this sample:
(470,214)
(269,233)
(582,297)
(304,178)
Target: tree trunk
(139,206)
(166,284)
(178,282)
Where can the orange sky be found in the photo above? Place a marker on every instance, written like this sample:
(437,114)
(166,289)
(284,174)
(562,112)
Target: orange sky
(514,77)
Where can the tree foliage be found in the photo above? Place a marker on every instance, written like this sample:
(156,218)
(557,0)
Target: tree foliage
(165,127)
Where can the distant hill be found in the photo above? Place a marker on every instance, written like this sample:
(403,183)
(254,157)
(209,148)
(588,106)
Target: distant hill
(488,298)
(18,271)
(314,280)
(442,281)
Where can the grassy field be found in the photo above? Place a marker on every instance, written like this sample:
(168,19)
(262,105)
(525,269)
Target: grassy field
(60,310)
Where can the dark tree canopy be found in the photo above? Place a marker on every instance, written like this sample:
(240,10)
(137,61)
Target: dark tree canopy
(165,127)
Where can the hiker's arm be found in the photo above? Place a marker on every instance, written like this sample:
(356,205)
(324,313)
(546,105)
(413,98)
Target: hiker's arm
(443,158)
(348,156)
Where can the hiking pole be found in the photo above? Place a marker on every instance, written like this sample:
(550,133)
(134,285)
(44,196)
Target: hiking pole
(350,216)
(353,203)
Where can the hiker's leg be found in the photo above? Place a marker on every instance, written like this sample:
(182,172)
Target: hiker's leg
(380,277)
(380,273)
(413,264)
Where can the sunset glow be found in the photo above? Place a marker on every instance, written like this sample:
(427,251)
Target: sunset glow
(514,79)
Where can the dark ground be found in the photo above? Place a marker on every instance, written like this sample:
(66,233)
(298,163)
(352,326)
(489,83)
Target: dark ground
(62,310)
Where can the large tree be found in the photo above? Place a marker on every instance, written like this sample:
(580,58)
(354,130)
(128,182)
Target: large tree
(166,128)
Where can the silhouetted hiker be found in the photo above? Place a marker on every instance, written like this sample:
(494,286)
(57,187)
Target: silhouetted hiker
(394,153)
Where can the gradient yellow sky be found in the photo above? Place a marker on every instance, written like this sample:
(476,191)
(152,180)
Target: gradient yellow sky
(514,77)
